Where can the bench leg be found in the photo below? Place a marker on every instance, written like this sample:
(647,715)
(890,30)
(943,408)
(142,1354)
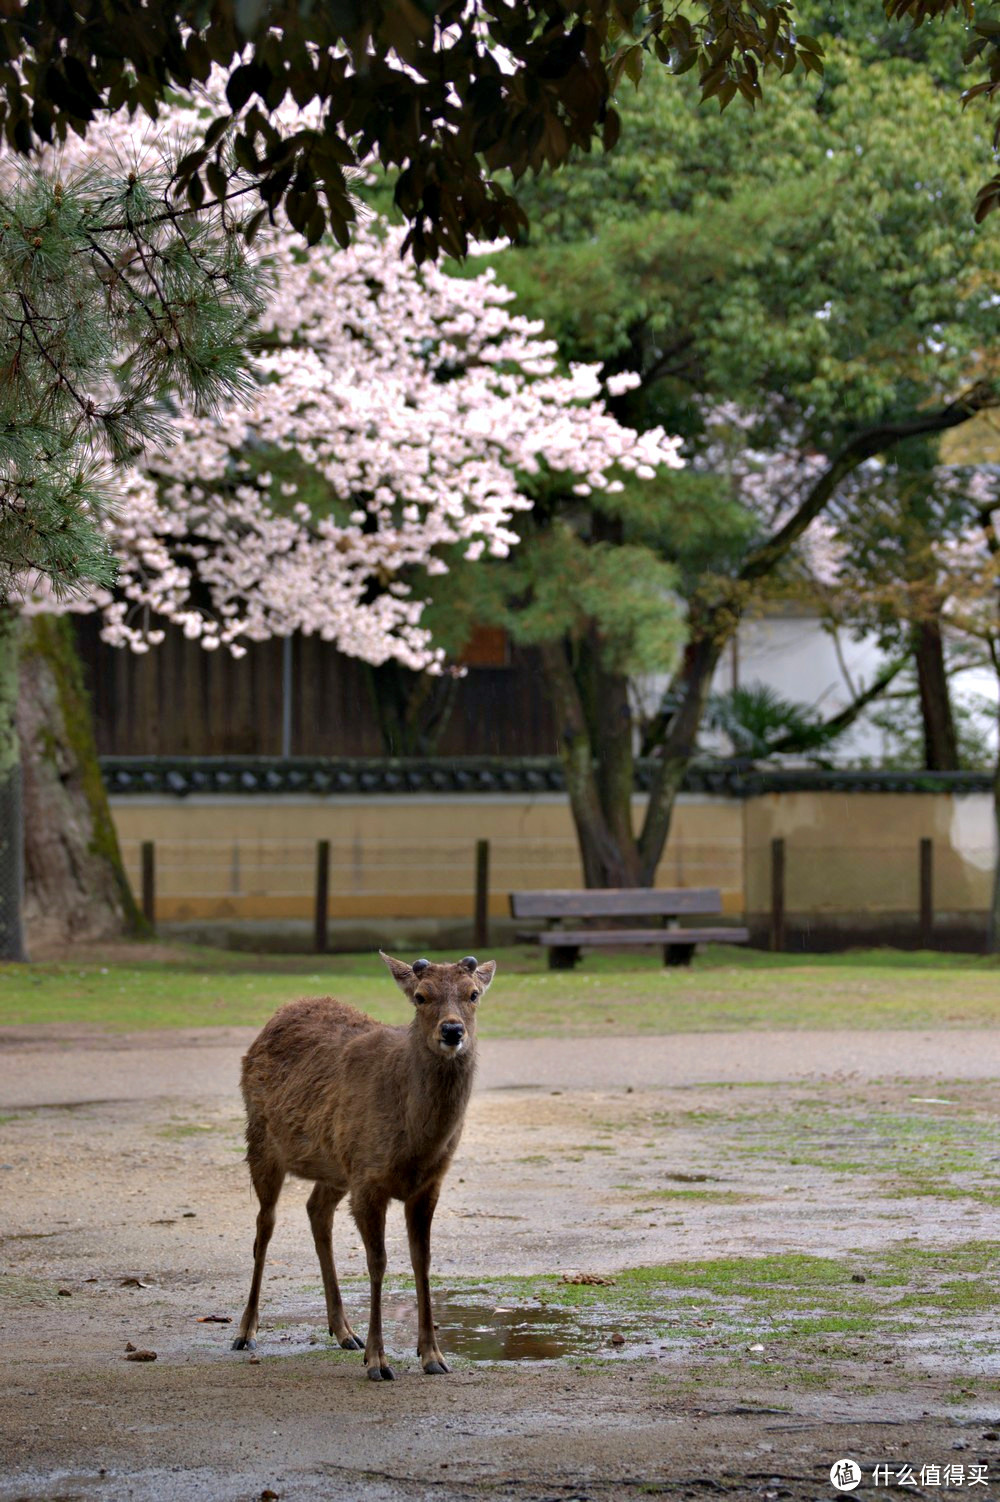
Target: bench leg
(563,956)
(678,954)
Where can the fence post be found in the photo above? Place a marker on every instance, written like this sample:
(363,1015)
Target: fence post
(926,893)
(480,927)
(777,895)
(149,882)
(322,894)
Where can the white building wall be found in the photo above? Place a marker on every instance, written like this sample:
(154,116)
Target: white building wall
(797,656)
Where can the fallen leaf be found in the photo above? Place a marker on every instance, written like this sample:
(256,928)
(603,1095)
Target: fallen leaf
(140,1356)
(268,1496)
(590,1280)
(129,1346)
(134,1283)
(618,1338)
(65,1293)
(214,1319)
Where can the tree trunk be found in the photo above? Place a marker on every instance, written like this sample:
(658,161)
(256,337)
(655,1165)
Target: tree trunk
(940,739)
(608,716)
(75,885)
(412,709)
(596,751)
(11,808)
(679,741)
(608,860)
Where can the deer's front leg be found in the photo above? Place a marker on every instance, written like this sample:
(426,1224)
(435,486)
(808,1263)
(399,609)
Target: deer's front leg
(368,1208)
(419,1214)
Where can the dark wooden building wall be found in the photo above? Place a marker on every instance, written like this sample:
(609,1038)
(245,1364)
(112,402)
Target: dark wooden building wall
(179,700)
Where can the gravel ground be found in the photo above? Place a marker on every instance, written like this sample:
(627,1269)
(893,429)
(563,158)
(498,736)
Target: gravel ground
(127,1218)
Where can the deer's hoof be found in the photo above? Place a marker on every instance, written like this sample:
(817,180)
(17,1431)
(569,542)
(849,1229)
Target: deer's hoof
(244,1343)
(351,1343)
(381,1374)
(435,1368)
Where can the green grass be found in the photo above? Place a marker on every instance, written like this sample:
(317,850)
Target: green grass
(725,990)
(907,1276)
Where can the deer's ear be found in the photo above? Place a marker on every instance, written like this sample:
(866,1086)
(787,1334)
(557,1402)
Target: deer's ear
(401,973)
(484,975)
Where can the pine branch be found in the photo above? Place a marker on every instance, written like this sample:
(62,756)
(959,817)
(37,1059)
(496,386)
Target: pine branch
(97,322)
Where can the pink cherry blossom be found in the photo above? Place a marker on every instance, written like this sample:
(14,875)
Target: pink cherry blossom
(395,411)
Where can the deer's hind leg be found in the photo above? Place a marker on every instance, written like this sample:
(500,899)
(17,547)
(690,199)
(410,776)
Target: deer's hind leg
(268,1176)
(368,1205)
(321,1205)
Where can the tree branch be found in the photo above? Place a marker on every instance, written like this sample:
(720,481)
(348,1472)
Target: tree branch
(663,365)
(864,446)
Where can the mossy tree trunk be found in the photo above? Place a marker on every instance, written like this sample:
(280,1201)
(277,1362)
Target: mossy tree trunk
(596,748)
(75,885)
(993,927)
(11,816)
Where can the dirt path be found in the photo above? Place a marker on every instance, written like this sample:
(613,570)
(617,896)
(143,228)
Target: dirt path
(121,1183)
(205,1062)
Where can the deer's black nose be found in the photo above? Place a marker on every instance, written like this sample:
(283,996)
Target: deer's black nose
(452,1033)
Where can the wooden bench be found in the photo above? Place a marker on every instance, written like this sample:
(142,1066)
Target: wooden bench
(667,904)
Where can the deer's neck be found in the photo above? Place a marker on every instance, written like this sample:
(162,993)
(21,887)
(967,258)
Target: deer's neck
(439,1090)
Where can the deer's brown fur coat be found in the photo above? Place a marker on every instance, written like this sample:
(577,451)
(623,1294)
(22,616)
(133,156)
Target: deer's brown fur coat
(368,1110)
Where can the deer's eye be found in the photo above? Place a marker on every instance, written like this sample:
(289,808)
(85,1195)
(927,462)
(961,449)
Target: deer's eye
(419,998)
(473,995)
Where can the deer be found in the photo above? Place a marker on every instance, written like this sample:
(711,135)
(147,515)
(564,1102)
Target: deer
(363,1109)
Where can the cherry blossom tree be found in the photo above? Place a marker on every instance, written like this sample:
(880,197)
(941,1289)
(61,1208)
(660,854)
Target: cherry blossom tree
(397,416)
(399,421)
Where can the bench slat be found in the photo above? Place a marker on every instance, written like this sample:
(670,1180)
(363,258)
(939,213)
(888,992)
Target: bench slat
(616,902)
(562,938)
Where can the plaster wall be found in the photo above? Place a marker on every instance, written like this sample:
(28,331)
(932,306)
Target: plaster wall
(852,865)
(398,856)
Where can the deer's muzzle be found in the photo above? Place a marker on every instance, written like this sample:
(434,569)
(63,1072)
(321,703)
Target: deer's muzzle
(452,1034)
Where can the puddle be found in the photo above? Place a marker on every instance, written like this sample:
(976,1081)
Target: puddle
(488,1332)
(523,1332)
(529,1332)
